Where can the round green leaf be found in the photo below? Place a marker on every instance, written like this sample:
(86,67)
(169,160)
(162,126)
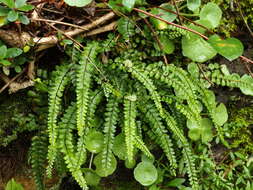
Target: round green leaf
(212,13)
(17,69)
(26,8)
(9,3)
(99,163)
(91,177)
(197,49)
(164,15)
(4,11)
(167,45)
(230,48)
(144,158)
(193,69)
(78,3)
(12,16)
(20,3)
(202,129)
(220,115)
(24,19)
(176,182)
(145,173)
(206,135)
(94,141)
(193,5)
(130,165)
(5,62)
(247,90)
(129,4)
(13,52)
(119,146)
(3,51)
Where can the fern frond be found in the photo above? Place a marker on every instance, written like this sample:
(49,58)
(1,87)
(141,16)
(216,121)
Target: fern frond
(191,169)
(38,158)
(230,80)
(129,125)
(160,132)
(111,118)
(188,155)
(147,82)
(84,74)
(141,145)
(95,98)
(178,79)
(67,125)
(61,79)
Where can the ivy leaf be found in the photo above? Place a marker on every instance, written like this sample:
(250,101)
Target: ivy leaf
(8,3)
(212,13)
(220,115)
(193,5)
(77,3)
(164,15)
(197,49)
(3,51)
(12,16)
(129,4)
(13,52)
(247,90)
(145,173)
(230,48)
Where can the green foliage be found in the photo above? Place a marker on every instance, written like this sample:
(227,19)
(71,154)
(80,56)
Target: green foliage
(14,11)
(145,173)
(220,75)
(118,99)
(78,3)
(13,185)
(38,158)
(231,48)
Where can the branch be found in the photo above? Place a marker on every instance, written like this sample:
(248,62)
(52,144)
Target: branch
(15,39)
(185,28)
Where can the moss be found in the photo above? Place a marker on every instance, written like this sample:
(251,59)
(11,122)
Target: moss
(240,129)
(231,19)
(15,117)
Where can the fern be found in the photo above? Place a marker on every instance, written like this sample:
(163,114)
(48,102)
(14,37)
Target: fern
(95,99)
(61,79)
(141,146)
(147,82)
(188,155)
(111,117)
(129,125)
(66,145)
(84,73)
(38,158)
(161,136)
